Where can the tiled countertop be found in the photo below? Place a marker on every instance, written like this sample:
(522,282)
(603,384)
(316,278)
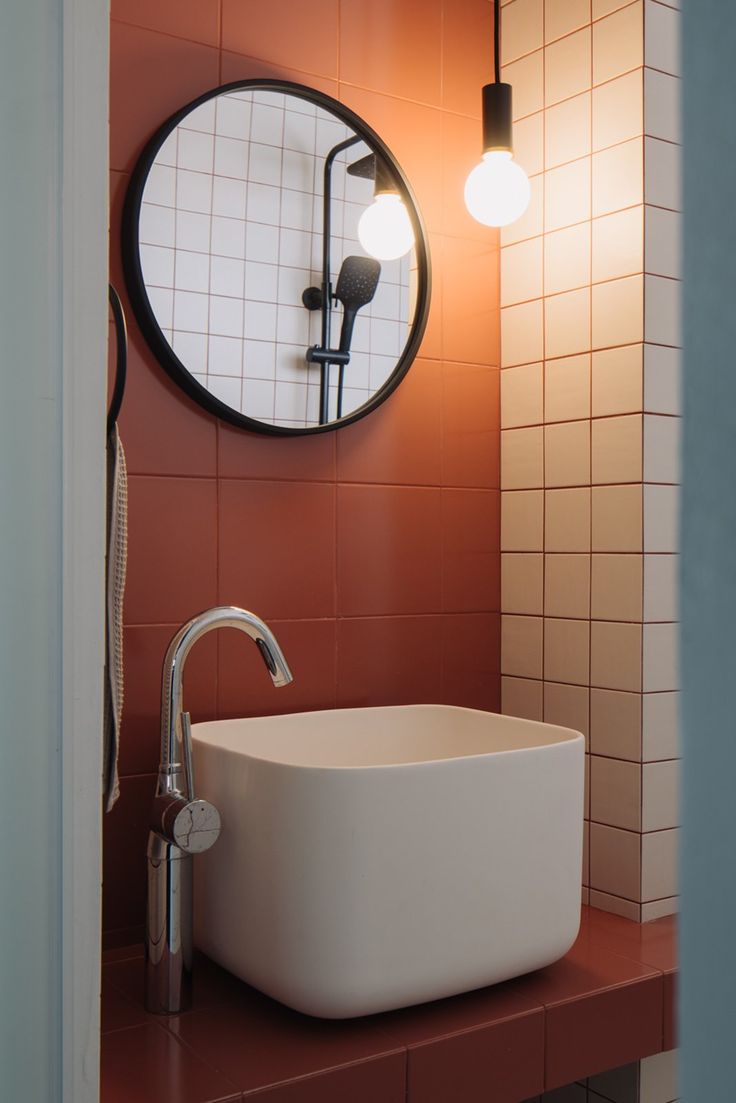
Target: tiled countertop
(608,1002)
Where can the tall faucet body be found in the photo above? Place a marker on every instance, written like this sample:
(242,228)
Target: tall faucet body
(181,824)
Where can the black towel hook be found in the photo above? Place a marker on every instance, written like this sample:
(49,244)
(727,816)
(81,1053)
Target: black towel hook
(121,366)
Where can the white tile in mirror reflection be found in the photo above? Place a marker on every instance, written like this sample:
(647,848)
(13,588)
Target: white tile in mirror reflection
(162,305)
(193,231)
(192,350)
(258,398)
(226,276)
(231,158)
(192,272)
(263,204)
(259,359)
(156,225)
(225,356)
(267,124)
(232,117)
(291,365)
(195,151)
(157,264)
(226,388)
(202,118)
(226,236)
(228,197)
(226,316)
(291,401)
(161,186)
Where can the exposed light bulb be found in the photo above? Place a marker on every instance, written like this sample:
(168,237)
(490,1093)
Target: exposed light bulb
(497,190)
(385,229)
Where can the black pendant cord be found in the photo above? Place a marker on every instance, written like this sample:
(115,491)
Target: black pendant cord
(497,40)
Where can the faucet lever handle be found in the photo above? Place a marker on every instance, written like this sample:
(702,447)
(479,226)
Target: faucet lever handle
(191,825)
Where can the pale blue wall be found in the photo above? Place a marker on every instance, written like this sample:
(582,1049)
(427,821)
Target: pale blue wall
(708,1006)
(30,551)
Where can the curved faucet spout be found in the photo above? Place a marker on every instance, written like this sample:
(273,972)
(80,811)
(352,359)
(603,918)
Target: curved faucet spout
(174,745)
(180,824)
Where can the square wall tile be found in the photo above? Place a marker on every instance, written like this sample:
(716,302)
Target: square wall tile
(567,706)
(617,518)
(616,587)
(617,381)
(566,651)
(615,792)
(660,795)
(567,586)
(661,449)
(615,724)
(522,583)
(526,76)
(618,43)
(567,259)
(522,520)
(661,512)
(567,454)
(618,312)
(627,909)
(567,194)
(567,67)
(618,110)
(528,137)
(617,449)
(662,379)
(522,463)
(567,520)
(522,399)
(601,8)
(661,660)
(521,697)
(662,38)
(662,116)
(618,177)
(522,29)
(659,865)
(660,587)
(567,388)
(615,861)
(562,17)
(567,323)
(521,334)
(663,244)
(521,272)
(618,244)
(658,909)
(663,175)
(531,222)
(658,1074)
(616,656)
(521,646)
(567,131)
(660,726)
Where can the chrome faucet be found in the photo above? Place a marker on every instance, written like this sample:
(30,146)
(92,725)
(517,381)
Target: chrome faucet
(181,824)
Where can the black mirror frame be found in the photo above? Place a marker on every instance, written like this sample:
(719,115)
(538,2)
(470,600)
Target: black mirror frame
(137,288)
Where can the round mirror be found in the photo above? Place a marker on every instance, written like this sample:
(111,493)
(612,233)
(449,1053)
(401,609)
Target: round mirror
(275,258)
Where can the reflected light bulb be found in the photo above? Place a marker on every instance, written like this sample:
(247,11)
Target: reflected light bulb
(497,190)
(385,229)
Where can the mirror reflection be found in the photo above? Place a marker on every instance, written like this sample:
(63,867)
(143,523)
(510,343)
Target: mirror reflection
(278,259)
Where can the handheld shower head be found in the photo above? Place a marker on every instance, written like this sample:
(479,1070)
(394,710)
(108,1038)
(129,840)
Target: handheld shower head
(356,286)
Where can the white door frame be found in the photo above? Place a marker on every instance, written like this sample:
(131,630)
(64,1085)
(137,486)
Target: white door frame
(84,275)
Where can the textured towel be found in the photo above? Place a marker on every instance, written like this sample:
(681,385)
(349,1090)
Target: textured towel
(117,546)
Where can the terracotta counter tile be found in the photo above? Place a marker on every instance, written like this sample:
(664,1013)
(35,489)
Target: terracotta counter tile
(653,943)
(486,1044)
(256,1044)
(146,1064)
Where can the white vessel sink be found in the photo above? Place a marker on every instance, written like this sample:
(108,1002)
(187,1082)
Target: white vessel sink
(376,858)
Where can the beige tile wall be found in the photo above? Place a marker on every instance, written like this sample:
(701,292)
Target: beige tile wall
(590,419)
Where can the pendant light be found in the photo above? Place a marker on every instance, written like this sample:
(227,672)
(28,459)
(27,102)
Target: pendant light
(384,230)
(497,190)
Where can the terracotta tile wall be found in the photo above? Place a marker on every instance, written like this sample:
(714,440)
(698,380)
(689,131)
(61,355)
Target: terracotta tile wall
(373,552)
(589,416)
